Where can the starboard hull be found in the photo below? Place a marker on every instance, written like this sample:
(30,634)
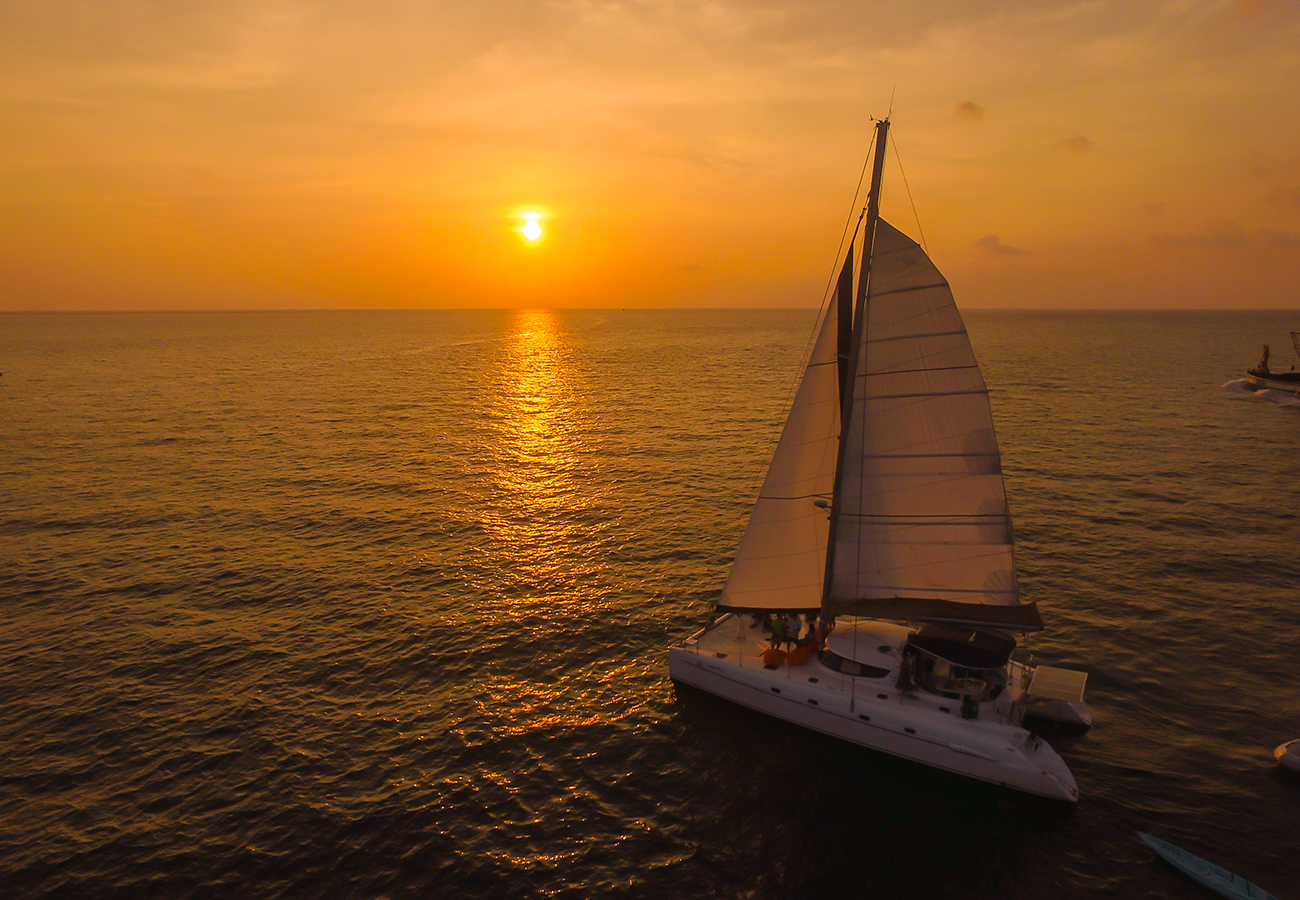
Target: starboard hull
(876,715)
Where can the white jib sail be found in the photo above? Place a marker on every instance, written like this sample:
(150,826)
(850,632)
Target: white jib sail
(782,557)
(922,508)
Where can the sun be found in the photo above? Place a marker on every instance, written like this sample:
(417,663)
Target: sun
(531,230)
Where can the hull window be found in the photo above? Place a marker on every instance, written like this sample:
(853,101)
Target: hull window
(849,667)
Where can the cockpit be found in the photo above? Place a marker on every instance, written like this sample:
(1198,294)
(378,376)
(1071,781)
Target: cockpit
(958,663)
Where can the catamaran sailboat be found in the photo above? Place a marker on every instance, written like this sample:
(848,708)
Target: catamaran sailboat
(883,515)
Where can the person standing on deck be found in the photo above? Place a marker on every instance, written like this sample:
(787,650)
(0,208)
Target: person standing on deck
(778,631)
(793,626)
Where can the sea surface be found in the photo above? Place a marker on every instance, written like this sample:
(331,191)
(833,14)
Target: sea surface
(376,605)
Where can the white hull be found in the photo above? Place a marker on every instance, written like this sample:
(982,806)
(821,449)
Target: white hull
(724,660)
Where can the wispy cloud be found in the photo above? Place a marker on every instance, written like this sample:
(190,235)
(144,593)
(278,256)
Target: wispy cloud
(968,110)
(1076,144)
(1227,235)
(992,245)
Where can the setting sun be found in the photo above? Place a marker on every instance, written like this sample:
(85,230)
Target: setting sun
(531,230)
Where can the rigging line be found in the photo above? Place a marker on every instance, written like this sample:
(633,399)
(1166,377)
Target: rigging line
(862,331)
(826,292)
(835,267)
(898,156)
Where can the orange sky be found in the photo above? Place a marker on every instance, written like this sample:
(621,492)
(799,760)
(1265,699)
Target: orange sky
(681,152)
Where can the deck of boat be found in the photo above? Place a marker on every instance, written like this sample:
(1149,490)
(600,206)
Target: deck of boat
(870,709)
(739,641)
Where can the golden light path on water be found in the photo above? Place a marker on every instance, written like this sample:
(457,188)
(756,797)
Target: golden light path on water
(542,518)
(537,415)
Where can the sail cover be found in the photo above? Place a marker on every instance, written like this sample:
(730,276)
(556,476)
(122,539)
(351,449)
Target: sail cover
(781,560)
(922,529)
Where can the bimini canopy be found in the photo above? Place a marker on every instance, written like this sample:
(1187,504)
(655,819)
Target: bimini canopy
(973,648)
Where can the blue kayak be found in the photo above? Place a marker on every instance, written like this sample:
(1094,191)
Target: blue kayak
(1221,881)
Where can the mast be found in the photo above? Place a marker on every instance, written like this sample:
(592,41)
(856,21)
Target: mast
(844,329)
(849,377)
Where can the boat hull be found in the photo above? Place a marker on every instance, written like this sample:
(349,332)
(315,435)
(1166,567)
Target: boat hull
(1291,386)
(877,716)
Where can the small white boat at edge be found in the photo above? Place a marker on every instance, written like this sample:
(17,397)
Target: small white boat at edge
(1262,378)
(884,504)
(1288,755)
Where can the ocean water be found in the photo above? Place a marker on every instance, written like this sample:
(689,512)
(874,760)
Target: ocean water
(376,604)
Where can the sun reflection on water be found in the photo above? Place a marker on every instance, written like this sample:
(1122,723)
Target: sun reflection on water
(536,408)
(550,575)
(541,514)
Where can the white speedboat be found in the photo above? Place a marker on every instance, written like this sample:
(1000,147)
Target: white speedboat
(883,515)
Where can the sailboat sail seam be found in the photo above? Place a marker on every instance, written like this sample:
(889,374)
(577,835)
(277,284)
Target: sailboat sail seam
(884,372)
(936,520)
(923,394)
(934,455)
(914,336)
(907,290)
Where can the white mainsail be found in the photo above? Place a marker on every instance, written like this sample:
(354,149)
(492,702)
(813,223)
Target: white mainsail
(921,511)
(782,557)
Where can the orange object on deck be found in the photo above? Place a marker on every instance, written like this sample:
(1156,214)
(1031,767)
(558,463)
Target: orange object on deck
(799,655)
(773,657)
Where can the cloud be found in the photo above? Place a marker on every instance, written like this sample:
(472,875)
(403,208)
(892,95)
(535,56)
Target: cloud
(1228,235)
(968,110)
(992,245)
(1154,208)
(1076,144)
(1272,237)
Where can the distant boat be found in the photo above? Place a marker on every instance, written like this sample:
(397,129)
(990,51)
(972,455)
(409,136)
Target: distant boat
(884,504)
(1288,755)
(1262,377)
(1221,881)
